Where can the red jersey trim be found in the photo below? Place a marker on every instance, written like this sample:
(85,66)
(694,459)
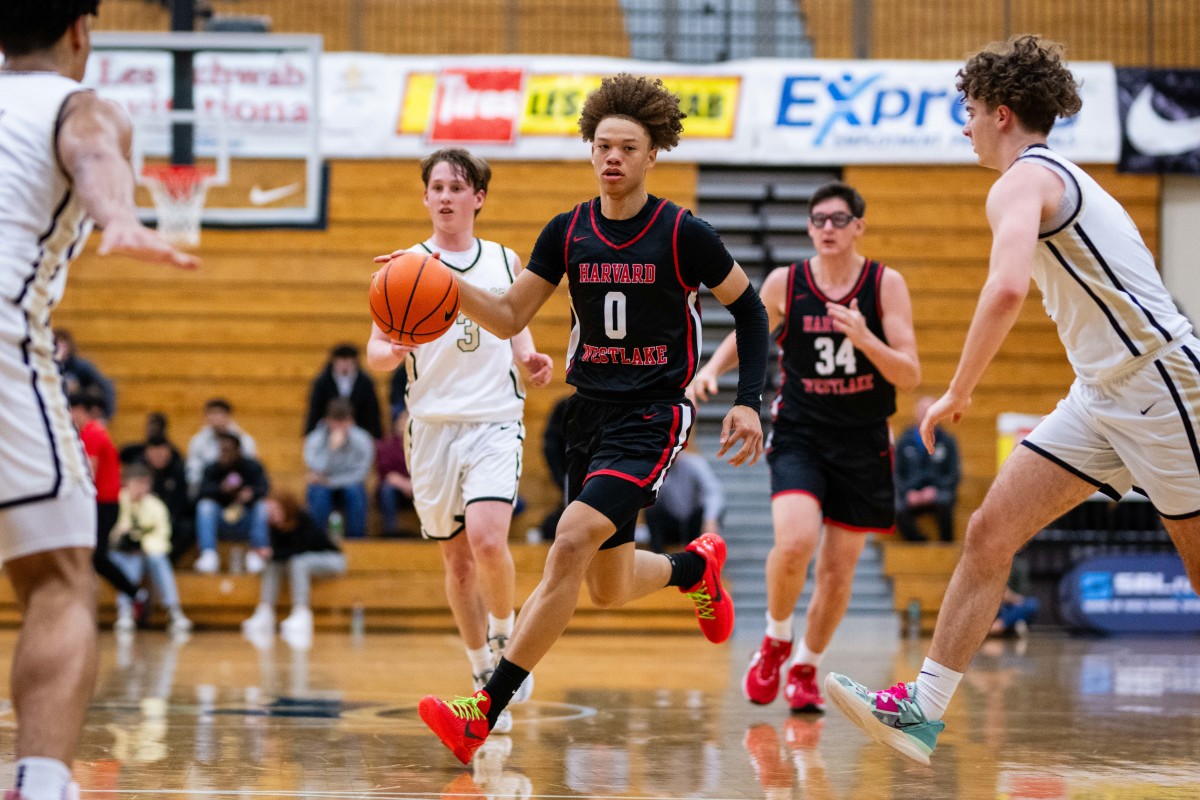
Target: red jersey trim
(653,218)
(862,279)
(687,306)
(658,468)
(796,491)
(567,243)
(856,528)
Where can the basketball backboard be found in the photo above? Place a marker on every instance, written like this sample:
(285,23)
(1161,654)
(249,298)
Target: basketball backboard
(254,118)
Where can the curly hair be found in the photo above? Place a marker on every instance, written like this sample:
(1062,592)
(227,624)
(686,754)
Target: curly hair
(643,100)
(1028,75)
(27,26)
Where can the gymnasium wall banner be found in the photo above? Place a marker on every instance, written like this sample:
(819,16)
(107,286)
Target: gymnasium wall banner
(1160,115)
(758,111)
(1137,592)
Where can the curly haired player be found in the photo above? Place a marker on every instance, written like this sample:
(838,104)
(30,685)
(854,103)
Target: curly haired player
(634,264)
(1131,416)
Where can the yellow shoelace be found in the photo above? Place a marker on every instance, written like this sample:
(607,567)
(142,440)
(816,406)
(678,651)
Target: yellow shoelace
(466,707)
(703,602)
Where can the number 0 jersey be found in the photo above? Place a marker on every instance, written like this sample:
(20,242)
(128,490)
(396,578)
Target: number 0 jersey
(468,374)
(826,379)
(634,284)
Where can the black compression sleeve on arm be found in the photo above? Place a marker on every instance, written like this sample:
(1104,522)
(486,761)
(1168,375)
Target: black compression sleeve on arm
(750,327)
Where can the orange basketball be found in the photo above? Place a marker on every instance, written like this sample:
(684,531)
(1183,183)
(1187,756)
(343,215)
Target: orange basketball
(414,298)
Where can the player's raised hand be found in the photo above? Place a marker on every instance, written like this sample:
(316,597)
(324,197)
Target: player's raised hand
(539,368)
(742,424)
(702,387)
(948,406)
(129,237)
(848,320)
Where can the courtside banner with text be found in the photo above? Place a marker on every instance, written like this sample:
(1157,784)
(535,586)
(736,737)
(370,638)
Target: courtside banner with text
(760,111)
(1160,109)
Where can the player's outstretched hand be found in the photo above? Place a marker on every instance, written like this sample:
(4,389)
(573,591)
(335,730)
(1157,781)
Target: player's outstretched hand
(702,387)
(386,258)
(948,406)
(742,425)
(132,238)
(539,368)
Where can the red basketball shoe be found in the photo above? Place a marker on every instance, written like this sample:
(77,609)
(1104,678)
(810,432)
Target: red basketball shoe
(461,724)
(714,605)
(802,692)
(761,682)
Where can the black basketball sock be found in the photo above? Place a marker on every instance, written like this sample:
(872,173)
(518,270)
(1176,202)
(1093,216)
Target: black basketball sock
(687,568)
(501,687)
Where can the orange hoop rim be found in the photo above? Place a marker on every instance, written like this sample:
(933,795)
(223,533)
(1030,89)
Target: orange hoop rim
(178,179)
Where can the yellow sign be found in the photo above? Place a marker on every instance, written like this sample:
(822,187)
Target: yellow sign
(553,103)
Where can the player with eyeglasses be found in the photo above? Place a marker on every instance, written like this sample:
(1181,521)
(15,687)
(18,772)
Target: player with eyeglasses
(844,325)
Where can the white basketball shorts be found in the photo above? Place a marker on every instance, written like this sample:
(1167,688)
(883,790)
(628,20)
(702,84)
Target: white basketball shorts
(454,464)
(1140,432)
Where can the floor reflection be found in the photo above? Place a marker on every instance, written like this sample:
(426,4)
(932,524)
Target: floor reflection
(628,717)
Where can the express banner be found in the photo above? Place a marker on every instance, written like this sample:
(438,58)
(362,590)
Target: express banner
(1160,115)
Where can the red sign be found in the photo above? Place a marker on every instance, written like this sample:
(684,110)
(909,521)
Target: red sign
(477,105)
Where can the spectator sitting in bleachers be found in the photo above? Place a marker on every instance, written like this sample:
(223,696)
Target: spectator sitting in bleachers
(82,376)
(155,426)
(926,483)
(391,468)
(304,551)
(343,378)
(231,504)
(203,448)
(690,502)
(169,484)
(339,454)
(141,539)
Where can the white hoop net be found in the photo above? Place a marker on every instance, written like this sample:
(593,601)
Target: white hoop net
(178,191)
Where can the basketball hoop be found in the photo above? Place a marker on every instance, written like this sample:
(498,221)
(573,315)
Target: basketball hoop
(178,191)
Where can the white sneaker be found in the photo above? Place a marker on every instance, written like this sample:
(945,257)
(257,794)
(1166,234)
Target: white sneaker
(254,562)
(525,690)
(179,623)
(298,627)
(261,622)
(208,563)
(503,722)
(125,622)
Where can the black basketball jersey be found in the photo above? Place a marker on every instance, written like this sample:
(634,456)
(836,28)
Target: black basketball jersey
(826,379)
(635,321)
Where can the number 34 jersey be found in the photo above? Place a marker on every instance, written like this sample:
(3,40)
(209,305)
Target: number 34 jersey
(468,374)
(826,379)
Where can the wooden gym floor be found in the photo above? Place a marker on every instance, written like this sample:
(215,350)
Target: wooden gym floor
(627,716)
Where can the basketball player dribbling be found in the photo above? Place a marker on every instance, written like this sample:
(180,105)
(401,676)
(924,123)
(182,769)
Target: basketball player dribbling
(1131,416)
(634,264)
(465,432)
(845,332)
(63,164)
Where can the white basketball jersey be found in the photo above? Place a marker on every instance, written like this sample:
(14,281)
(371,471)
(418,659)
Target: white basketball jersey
(42,227)
(1098,280)
(468,374)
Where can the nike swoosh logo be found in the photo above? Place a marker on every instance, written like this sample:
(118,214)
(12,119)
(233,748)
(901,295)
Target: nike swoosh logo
(1154,135)
(469,734)
(449,314)
(1147,408)
(578,238)
(261,197)
(647,416)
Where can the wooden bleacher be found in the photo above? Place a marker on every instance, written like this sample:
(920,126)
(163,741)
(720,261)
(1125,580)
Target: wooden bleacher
(919,573)
(399,586)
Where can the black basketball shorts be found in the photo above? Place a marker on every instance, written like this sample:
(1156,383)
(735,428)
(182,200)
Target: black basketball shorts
(618,455)
(847,470)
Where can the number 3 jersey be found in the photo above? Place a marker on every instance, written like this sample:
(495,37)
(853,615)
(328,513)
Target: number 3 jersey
(826,379)
(635,334)
(468,374)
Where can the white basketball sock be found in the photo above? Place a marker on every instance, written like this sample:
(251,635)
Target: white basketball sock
(806,656)
(780,628)
(42,778)
(935,688)
(481,660)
